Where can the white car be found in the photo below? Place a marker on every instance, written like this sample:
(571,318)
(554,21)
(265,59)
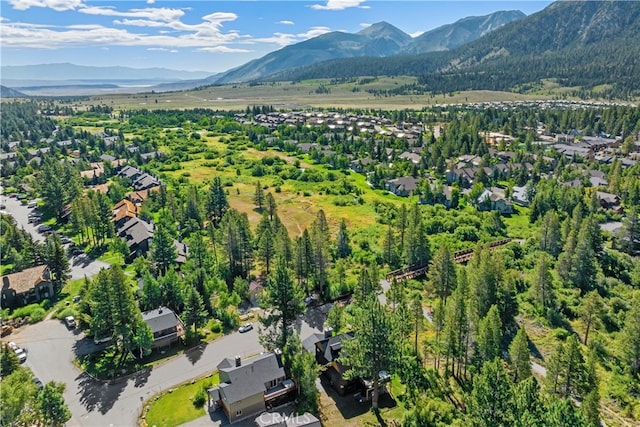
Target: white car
(70,321)
(22,355)
(12,345)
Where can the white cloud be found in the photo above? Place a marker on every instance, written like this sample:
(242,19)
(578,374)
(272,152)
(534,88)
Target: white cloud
(364,24)
(314,32)
(173,51)
(222,49)
(416,34)
(151,1)
(285,22)
(158,49)
(57,5)
(153,13)
(339,5)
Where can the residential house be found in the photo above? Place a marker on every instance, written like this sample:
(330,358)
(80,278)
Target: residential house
(123,211)
(166,326)
(493,199)
(145,181)
(411,157)
(327,352)
(463,176)
(97,169)
(138,235)
(249,387)
(360,165)
(130,172)
(608,200)
(403,186)
(28,286)
(520,196)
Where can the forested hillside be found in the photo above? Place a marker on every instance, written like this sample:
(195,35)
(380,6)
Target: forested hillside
(585,44)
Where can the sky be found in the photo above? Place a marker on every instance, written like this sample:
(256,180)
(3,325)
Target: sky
(201,35)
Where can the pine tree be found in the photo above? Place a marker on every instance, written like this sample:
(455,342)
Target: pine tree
(272,208)
(491,398)
(416,243)
(343,248)
(283,301)
(258,197)
(519,355)
(217,204)
(528,409)
(9,362)
(541,290)
(490,335)
(629,337)
(266,247)
(374,347)
(442,273)
(389,248)
(630,236)
(550,238)
(194,313)
(57,261)
(163,251)
(151,293)
(590,311)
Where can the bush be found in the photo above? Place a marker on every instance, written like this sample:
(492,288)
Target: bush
(34,312)
(68,311)
(200,398)
(216,328)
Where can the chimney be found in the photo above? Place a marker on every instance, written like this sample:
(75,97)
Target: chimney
(328,332)
(238,361)
(278,354)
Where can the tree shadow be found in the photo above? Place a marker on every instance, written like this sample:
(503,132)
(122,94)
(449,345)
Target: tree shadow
(97,395)
(316,316)
(194,354)
(141,377)
(350,407)
(533,349)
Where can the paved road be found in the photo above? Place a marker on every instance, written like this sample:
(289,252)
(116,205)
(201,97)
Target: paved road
(81,266)
(52,347)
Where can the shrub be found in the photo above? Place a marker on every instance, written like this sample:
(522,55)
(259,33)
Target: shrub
(216,328)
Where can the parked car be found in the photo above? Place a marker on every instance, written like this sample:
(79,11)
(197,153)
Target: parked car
(12,345)
(76,251)
(99,341)
(65,240)
(44,228)
(70,321)
(245,328)
(38,382)
(22,355)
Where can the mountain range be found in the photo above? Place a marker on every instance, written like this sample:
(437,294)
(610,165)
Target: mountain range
(578,43)
(583,45)
(378,40)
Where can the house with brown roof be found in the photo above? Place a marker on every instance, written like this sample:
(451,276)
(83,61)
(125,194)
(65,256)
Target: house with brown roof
(123,211)
(25,287)
(97,169)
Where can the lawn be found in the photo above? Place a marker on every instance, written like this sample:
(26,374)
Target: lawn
(175,406)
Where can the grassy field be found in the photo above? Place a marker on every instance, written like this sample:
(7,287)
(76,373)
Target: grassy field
(175,406)
(299,95)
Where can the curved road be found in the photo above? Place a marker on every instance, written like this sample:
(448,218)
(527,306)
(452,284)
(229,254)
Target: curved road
(52,348)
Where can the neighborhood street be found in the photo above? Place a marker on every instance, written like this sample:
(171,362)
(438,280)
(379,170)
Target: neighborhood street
(52,349)
(81,265)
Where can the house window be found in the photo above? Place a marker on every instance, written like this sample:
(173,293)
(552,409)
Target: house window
(238,413)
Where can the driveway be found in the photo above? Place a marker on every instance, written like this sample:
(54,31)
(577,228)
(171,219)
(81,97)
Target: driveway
(81,265)
(52,347)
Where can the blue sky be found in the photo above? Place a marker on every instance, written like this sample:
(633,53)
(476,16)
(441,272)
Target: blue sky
(203,35)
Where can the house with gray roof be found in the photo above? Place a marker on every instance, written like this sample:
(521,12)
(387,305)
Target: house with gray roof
(249,387)
(403,186)
(166,326)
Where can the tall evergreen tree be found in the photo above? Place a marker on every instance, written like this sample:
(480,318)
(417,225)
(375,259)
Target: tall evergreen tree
(258,197)
(51,406)
(283,300)
(217,204)
(490,335)
(57,261)
(163,251)
(630,337)
(416,243)
(343,247)
(272,208)
(374,347)
(541,290)
(519,355)
(442,273)
(194,313)
(491,400)
(550,237)
(590,311)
